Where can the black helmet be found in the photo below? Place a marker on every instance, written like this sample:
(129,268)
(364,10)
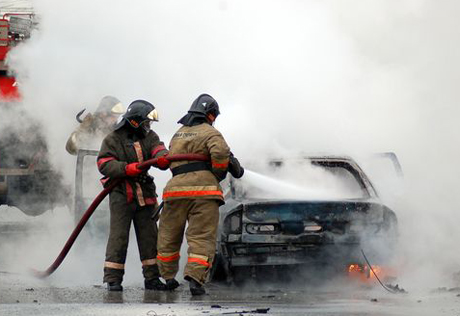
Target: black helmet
(205,104)
(201,107)
(137,113)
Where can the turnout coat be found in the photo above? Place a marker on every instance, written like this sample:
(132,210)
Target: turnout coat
(201,139)
(120,148)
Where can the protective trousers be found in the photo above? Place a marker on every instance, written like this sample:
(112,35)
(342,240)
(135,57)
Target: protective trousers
(203,218)
(146,234)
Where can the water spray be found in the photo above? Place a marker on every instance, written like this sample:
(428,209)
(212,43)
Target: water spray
(283,188)
(269,183)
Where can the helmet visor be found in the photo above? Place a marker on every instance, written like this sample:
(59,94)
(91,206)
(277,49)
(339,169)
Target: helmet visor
(117,109)
(153,115)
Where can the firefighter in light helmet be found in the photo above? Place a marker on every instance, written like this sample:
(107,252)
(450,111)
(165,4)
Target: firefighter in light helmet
(95,125)
(132,142)
(194,195)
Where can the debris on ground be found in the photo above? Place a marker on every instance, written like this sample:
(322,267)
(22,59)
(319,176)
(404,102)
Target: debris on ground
(256,311)
(374,300)
(275,291)
(396,288)
(445,290)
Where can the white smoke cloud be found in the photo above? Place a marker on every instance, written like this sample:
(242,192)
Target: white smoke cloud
(348,77)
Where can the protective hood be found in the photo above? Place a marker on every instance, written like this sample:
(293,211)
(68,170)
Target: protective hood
(191,119)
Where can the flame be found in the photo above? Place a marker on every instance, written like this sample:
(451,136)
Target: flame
(362,273)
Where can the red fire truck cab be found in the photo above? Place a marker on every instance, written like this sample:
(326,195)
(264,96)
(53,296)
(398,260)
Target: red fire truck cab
(14,28)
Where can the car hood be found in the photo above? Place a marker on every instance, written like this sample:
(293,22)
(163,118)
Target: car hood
(274,211)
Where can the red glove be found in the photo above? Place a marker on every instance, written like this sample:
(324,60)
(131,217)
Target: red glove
(132,170)
(163,163)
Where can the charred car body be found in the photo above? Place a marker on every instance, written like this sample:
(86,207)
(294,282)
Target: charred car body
(295,227)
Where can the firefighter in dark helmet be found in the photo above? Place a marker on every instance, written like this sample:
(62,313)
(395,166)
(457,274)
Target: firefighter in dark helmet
(194,195)
(131,143)
(95,126)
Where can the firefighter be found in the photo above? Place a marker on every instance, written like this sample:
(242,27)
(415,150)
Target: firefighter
(194,195)
(95,126)
(131,143)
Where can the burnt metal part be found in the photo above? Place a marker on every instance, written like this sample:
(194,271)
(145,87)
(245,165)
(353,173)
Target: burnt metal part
(78,116)
(394,159)
(391,289)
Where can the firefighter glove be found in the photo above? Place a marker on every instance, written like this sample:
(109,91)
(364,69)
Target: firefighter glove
(132,170)
(163,163)
(234,167)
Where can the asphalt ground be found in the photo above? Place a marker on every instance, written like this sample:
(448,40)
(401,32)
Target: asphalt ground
(20,296)
(76,287)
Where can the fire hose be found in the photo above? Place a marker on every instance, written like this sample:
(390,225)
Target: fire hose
(99,198)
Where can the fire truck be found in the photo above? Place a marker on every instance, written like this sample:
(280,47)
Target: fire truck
(28,180)
(14,28)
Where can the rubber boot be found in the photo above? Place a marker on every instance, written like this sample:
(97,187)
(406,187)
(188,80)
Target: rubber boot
(114,287)
(171,284)
(155,284)
(196,288)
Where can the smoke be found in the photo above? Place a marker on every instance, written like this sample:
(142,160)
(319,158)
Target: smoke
(293,76)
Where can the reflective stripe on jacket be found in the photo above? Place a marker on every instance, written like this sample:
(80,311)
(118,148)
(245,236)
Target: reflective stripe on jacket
(201,139)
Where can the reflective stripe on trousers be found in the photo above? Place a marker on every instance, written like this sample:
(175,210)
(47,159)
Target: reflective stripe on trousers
(199,259)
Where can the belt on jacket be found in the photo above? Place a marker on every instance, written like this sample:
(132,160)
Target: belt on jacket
(190,167)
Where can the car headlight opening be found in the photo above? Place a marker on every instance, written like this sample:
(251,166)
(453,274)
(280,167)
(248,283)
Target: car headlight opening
(312,227)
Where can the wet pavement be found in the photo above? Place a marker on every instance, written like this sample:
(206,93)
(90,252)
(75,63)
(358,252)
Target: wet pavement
(75,289)
(23,295)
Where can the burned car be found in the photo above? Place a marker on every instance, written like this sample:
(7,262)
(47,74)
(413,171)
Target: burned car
(315,211)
